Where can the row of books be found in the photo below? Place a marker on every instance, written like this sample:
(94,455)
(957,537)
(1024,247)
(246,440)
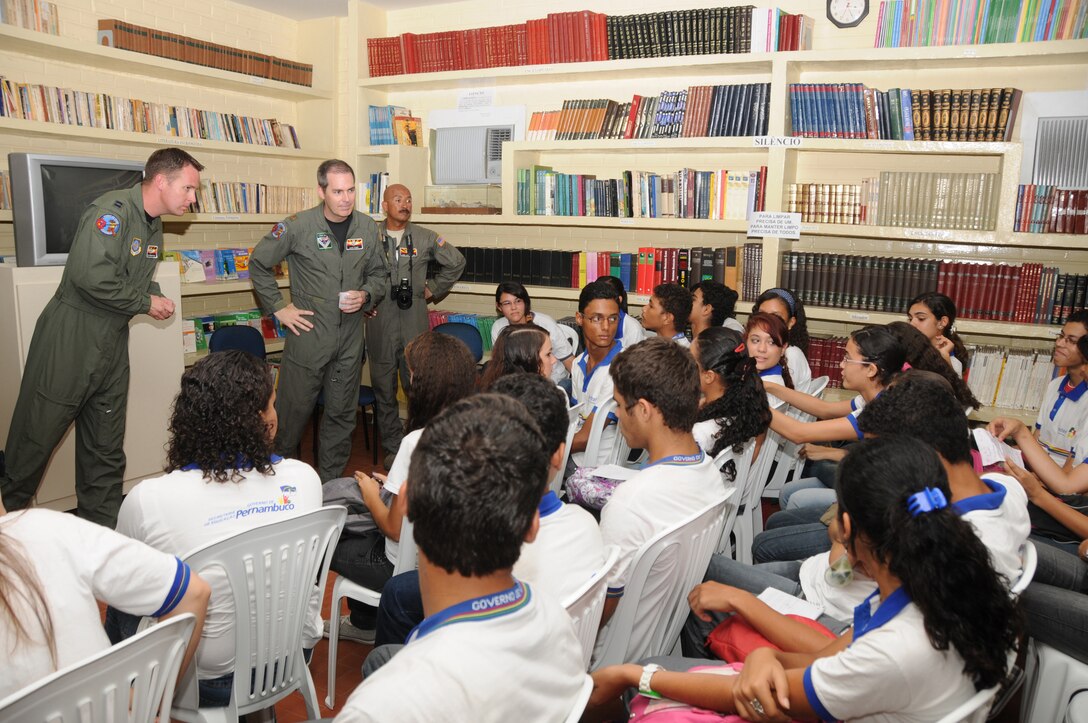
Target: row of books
(734,266)
(197,331)
(163,44)
(31,101)
(241,197)
(1026,294)
(36,15)
(482,323)
(923,23)
(687,193)
(212,265)
(584,36)
(825,359)
(851,110)
(392,125)
(1009,378)
(1042,208)
(368,198)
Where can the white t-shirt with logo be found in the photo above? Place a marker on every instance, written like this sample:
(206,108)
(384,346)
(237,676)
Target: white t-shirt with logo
(1061,418)
(593,391)
(181,511)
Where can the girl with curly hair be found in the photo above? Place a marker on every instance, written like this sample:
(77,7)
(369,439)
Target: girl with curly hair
(921,354)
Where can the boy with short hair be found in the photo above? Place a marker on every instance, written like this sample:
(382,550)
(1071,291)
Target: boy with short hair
(667,312)
(598,316)
(473,492)
(657,390)
(713,304)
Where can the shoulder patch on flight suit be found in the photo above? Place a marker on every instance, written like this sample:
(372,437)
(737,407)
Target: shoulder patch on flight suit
(293,217)
(324,242)
(152,251)
(441,242)
(134,249)
(108,224)
(279,229)
(354,244)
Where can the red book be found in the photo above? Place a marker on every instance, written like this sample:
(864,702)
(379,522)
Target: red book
(943,280)
(632,117)
(659,268)
(762,191)
(1009,286)
(640,271)
(575,280)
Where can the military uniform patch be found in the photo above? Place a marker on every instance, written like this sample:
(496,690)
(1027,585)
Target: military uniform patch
(152,251)
(354,244)
(403,251)
(323,241)
(278,230)
(118,204)
(108,224)
(441,242)
(134,249)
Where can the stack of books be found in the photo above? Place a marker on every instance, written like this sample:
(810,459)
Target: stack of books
(1044,208)
(1009,378)
(825,359)
(369,196)
(921,23)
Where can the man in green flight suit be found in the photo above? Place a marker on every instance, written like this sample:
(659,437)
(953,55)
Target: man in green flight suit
(77,367)
(402,316)
(336,268)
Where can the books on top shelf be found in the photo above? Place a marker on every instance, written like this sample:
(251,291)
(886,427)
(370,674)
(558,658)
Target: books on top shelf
(922,23)
(1009,378)
(1025,294)
(851,110)
(242,197)
(911,199)
(687,193)
(583,36)
(36,15)
(1048,209)
(31,101)
(151,41)
(698,112)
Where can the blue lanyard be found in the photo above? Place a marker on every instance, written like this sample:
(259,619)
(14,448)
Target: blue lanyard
(485,607)
(678,459)
(864,618)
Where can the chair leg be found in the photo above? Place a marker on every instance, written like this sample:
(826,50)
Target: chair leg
(309,694)
(334,638)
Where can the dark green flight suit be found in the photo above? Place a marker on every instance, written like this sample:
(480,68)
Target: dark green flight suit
(330,355)
(77,368)
(393,327)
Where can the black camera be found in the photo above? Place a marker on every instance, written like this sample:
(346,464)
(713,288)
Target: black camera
(403,294)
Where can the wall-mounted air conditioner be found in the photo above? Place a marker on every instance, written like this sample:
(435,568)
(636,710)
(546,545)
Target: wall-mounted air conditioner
(469,155)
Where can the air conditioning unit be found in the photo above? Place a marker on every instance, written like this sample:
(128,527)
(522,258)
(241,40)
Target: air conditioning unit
(469,155)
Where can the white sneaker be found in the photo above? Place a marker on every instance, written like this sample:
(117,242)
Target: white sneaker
(352,633)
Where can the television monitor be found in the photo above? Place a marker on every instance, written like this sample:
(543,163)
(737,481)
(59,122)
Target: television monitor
(49,195)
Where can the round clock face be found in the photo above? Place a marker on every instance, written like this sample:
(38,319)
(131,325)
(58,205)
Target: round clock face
(847,13)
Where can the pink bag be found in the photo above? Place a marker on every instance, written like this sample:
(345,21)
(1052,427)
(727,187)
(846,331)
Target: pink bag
(588,490)
(663,710)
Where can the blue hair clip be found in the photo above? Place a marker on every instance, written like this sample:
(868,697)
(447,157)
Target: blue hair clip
(787,297)
(927,500)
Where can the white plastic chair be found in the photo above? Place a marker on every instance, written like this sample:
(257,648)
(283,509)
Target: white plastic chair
(1029,560)
(573,415)
(684,552)
(594,457)
(750,515)
(132,681)
(345,588)
(743,469)
(272,570)
(571,335)
(581,701)
(789,459)
(586,604)
(1054,680)
(973,709)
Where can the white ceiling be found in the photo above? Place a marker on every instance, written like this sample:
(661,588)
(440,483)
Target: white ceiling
(309,9)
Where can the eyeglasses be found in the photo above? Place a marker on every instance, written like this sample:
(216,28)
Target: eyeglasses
(515,302)
(848,360)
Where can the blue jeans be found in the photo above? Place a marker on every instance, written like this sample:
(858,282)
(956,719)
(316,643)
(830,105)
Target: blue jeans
(787,496)
(400,609)
(378,657)
(361,559)
(791,535)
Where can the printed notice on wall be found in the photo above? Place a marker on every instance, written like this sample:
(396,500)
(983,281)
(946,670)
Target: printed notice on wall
(475,98)
(775,223)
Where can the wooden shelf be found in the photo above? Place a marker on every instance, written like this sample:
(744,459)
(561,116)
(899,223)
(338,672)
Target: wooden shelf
(862,145)
(60,130)
(1042,332)
(209,288)
(904,60)
(270,345)
(652,145)
(899,233)
(69,50)
(687,224)
(982,415)
(226,218)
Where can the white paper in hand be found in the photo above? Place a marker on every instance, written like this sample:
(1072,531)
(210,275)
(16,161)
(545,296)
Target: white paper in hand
(787,604)
(993,450)
(614,471)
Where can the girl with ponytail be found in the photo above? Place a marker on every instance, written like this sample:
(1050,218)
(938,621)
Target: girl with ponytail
(939,627)
(921,354)
(934,315)
(734,407)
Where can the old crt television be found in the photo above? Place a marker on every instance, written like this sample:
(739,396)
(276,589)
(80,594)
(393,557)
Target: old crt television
(49,195)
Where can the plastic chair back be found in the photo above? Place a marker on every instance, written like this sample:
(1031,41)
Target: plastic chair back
(573,415)
(581,701)
(789,459)
(272,570)
(243,338)
(743,469)
(571,335)
(467,333)
(132,681)
(594,456)
(1029,560)
(676,557)
(973,709)
(586,604)
(750,516)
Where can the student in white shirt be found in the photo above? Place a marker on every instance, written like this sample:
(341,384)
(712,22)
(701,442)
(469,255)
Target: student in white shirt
(734,407)
(938,628)
(713,304)
(657,390)
(667,312)
(515,307)
(934,314)
(442,371)
(520,348)
(784,304)
(1065,403)
(491,648)
(629,330)
(922,355)
(598,316)
(767,339)
(55,567)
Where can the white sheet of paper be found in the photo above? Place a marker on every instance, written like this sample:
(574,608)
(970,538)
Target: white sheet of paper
(993,450)
(787,604)
(614,471)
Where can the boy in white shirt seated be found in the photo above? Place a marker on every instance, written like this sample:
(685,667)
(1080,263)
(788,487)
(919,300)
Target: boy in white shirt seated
(473,493)
(667,312)
(566,552)
(598,316)
(657,392)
